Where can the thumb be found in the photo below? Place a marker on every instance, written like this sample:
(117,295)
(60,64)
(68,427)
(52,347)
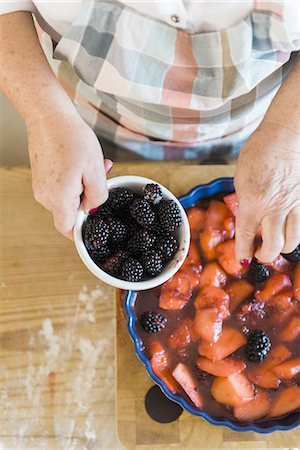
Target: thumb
(95,190)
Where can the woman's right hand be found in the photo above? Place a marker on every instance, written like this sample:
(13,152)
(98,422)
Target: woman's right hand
(67,167)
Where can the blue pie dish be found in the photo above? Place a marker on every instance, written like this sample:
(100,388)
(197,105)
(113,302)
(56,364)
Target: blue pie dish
(288,422)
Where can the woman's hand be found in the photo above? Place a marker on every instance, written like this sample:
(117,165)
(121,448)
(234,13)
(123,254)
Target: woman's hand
(267,182)
(67,167)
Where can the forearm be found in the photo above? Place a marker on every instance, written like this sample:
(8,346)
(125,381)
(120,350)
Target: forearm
(26,77)
(285,108)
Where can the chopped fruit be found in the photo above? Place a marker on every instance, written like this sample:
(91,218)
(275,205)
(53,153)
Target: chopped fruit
(280,264)
(223,368)
(288,369)
(179,283)
(212,296)
(170,382)
(257,273)
(172,300)
(234,390)
(228,230)
(276,283)
(280,305)
(254,409)
(216,214)
(263,374)
(232,202)
(258,346)
(294,256)
(287,400)
(297,281)
(193,256)
(189,384)
(229,341)
(209,239)
(253,310)
(196,217)
(238,291)
(212,275)
(183,335)
(193,272)
(291,330)
(159,359)
(208,324)
(226,258)
(152,322)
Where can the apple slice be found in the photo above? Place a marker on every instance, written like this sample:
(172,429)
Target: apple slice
(212,296)
(208,324)
(276,283)
(285,401)
(222,368)
(196,217)
(226,258)
(288,369)
(254,409)
(238,291)
(232,202)
(297,281)
(229,341)
(291,330)
(212,275)
(209,239)
(235,390)
(189,384)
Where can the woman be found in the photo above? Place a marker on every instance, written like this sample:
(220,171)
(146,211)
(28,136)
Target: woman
(173,79)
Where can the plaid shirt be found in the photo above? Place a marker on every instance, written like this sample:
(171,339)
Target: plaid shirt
(155,89)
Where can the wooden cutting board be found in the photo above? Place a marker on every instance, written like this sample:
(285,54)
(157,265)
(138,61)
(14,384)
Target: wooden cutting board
(136,430)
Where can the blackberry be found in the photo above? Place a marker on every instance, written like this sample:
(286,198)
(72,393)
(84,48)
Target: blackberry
(257,273)
(141,241)
(113,264)
(152,262)
(117,230)
(103,211)
(153,193)
(98,254)
(119,198)
(142,212)
(132,270)
(168,245)
(169,215)
(294,256)
(96,231)
(258,346)
(152,322)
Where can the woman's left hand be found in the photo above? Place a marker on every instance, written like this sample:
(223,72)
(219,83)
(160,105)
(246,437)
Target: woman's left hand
(267,182)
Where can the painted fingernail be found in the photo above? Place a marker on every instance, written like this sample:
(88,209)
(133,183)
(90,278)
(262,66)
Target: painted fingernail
(245,262)
(93,210)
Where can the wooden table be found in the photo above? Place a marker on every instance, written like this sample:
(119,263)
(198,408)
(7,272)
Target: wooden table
(57,379)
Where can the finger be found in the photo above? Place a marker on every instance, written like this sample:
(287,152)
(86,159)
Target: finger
(65,215)
(95,190)
(272,238)
(108,164)
(246,226)
(292,231)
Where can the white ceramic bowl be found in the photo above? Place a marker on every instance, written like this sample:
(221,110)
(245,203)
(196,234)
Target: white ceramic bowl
(182,234)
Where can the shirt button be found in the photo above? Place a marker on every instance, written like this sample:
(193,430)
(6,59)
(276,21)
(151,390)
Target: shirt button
(175,18)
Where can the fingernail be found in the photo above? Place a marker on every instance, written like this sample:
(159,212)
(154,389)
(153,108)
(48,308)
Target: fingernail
(108,165)
(245,262)
(93,210)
